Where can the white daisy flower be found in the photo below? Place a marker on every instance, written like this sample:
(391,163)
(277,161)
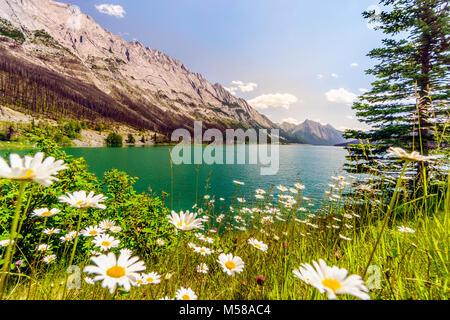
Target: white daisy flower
(43,247)
(5,243)
(238,182)
(115,229)
(51,231)
(202,268)
(281,188)
(140,280)
(299,186)
(160,242)
(405,229)
(231,265)
(258,244)
(45,213)
(79,199)
(107,224)
(203,250)
(105,242)
(112,271)
(413,156)
(49,258)
(151,278)
(185,221)
(92,231)
(332,280)
(31,168)
(185,294)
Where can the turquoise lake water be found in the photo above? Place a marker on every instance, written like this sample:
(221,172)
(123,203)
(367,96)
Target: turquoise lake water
(311,165)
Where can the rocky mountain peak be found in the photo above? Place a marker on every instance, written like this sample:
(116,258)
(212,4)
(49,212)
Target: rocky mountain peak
(129,72)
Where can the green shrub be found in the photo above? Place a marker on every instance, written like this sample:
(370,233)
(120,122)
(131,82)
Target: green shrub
(131,139)
(114,140)
(141,216)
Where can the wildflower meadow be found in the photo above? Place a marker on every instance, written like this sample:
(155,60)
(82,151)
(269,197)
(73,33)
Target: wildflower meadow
(67,235)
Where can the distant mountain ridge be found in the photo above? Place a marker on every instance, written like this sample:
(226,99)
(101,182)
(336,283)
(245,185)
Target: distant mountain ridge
(311,132)
(59,62)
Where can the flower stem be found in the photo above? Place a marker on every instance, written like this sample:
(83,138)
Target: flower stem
(386,218)
(73,252)
(12,236)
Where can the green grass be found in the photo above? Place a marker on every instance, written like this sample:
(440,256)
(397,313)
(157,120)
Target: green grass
(15,145)
(404,265)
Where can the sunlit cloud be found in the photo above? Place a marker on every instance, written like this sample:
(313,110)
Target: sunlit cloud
(341,96)
(276,100)
(231,90)
(354,64)
(245,87)
(291,120)
(114,10)
(241,86)
(320,76)
(334,75)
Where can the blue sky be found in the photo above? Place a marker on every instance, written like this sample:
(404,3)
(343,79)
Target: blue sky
(291,59)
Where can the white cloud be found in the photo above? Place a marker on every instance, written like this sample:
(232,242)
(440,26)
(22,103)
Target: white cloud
(276,100)
(231,90)
(334,75)
(320,76)
(245,87)
(291,120)
(362,90)
(354,64)
(114,10)
(349,117)
(340,96)
(241,86)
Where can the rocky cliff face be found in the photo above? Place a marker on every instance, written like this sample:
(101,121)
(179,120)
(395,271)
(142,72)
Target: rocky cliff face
(314,133)
(157,91)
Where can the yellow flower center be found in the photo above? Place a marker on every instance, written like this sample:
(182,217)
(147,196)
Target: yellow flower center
(230,265)
(79,202)
(46,213)
(179,224)
(257,245)
(332,284)
(27,175)
(185,297)
(149,279)
(93,232)
(106,243)
(116,272)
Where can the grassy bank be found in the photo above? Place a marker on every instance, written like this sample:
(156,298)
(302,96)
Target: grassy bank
(399,247)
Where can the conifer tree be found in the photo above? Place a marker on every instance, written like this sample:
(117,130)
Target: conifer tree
(407,106)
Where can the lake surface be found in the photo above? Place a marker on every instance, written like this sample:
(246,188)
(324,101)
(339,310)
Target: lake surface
(311,165)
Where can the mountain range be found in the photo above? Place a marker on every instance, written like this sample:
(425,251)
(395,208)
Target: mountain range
(59,63)
(64,56)
(311,132)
